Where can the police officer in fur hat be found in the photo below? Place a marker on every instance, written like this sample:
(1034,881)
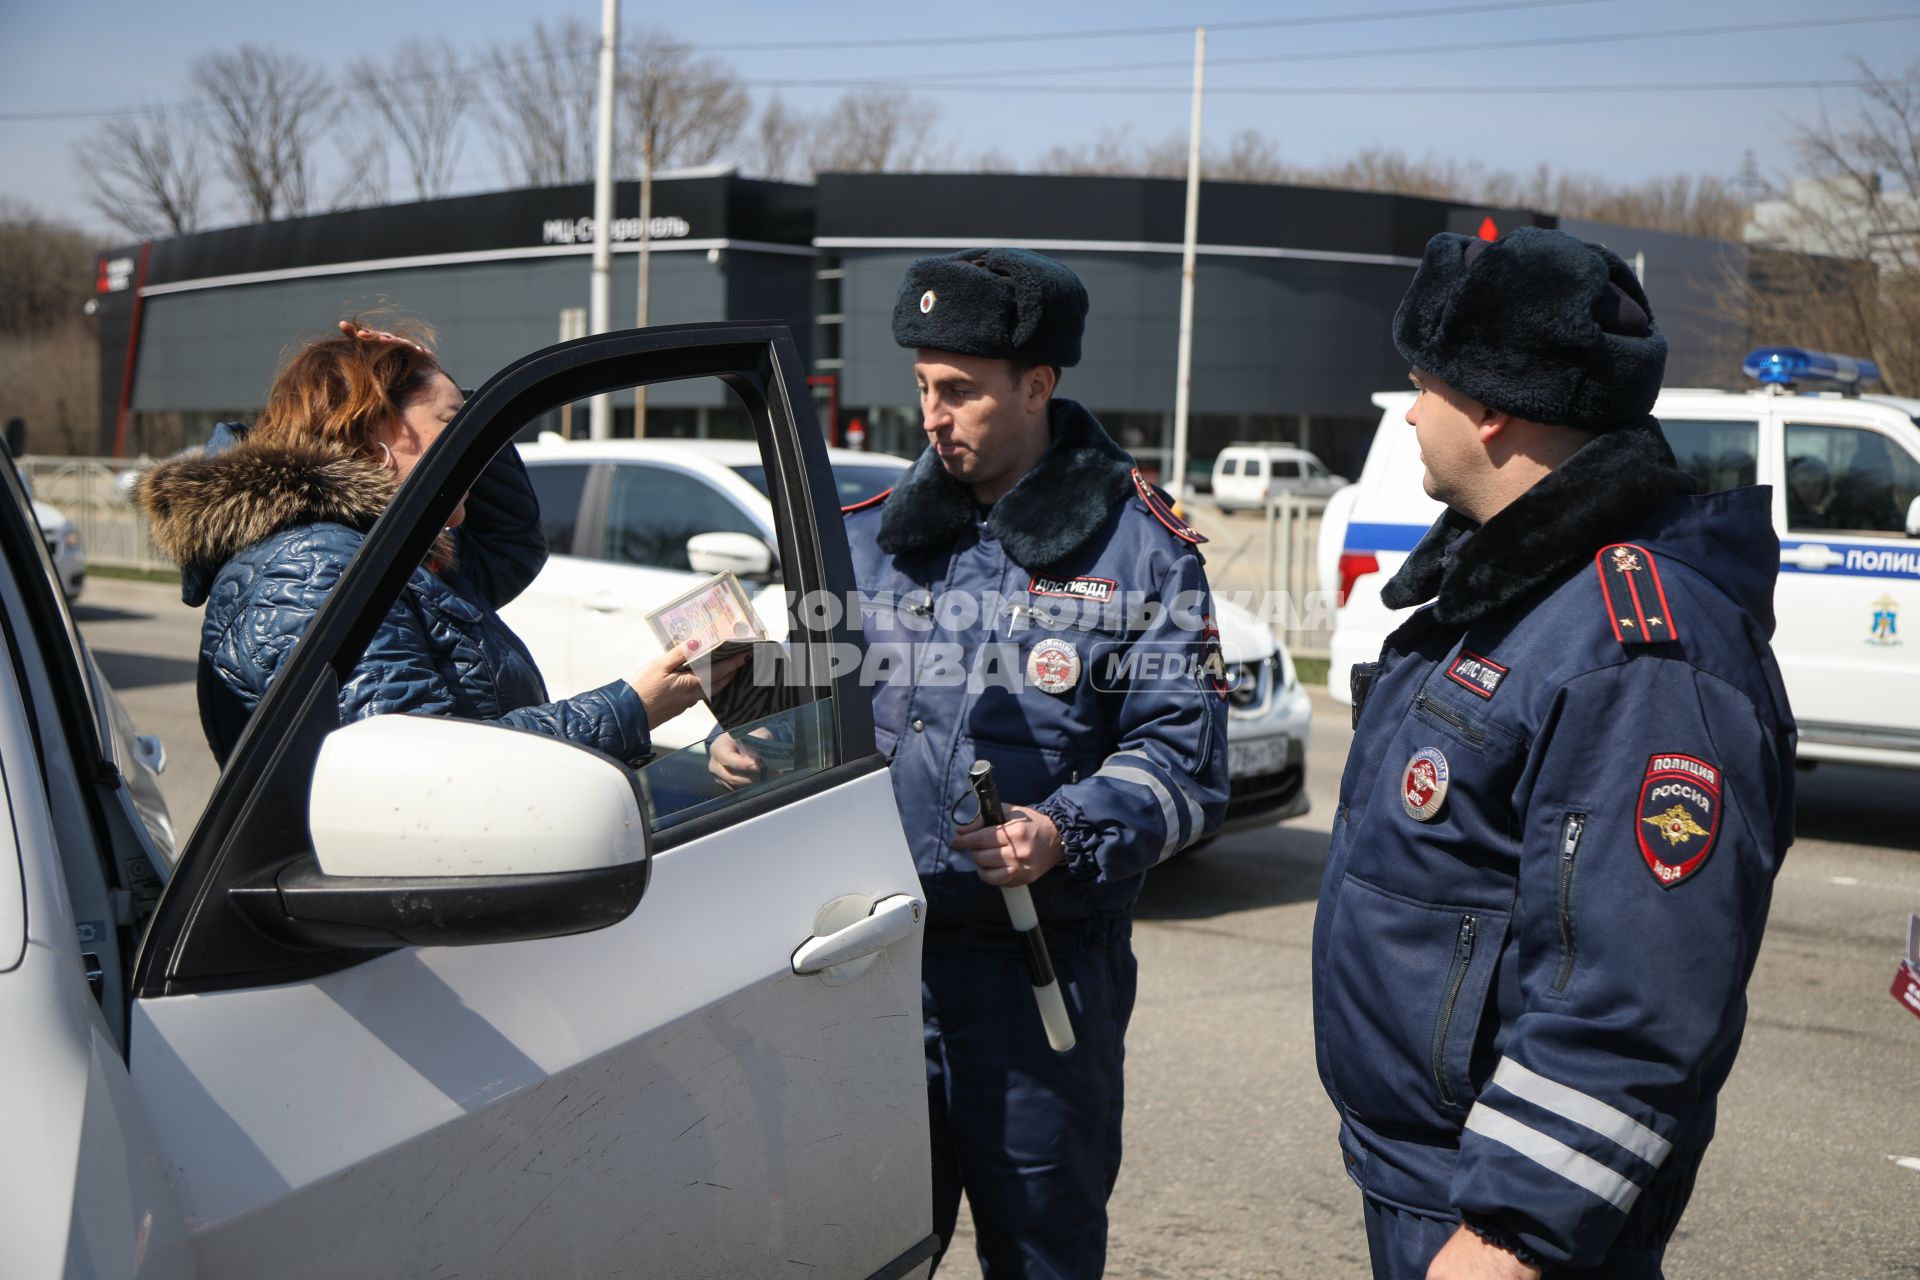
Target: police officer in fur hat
(1011,585)
(1570,789)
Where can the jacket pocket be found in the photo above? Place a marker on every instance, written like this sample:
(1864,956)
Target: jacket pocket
(1407,985)
(1572,827)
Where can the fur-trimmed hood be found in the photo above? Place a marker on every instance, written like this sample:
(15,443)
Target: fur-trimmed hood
(1595,497)
(205,508)
(1042,520)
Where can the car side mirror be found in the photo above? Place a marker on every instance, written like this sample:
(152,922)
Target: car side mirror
(1913,518)
(431,831)
(741,554)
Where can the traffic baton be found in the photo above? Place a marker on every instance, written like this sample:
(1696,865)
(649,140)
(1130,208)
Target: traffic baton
(1026,922)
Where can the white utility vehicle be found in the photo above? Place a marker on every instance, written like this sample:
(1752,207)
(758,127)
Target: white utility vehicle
(1249,475)
(634,523)
(1845,473)
(434,997)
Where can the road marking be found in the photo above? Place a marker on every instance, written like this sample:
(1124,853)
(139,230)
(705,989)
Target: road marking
(1851,882)
(1907,1162)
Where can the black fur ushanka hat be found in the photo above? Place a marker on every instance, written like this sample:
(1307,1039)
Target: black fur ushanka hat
(1006,304)
(1537,324)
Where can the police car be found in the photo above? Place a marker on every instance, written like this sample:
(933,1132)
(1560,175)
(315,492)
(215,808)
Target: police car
(424,996)
(1845,473)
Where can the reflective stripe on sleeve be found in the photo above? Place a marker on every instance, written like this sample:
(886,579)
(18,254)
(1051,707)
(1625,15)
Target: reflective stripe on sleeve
(1554,1156)
(1145,778)
(1609,1122)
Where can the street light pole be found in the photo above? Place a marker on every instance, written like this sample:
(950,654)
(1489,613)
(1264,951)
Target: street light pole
(646,261)
(1176,483)
(600,420)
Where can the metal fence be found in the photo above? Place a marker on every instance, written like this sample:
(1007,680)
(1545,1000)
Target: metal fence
(87,492)
(1269,558)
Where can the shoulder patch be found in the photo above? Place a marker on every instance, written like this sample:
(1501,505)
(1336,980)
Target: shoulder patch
(862,505)
(1679,814)
(1164,513)
(1636,602)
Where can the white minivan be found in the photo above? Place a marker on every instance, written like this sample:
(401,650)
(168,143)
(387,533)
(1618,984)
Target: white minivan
(1845,473)
(1249,475)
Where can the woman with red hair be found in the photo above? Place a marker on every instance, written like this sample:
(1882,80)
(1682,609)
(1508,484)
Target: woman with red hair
(263,522)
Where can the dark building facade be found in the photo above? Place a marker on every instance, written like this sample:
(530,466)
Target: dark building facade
(1295,289)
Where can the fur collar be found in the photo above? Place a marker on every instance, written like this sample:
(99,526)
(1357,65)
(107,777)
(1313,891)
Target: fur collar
(205,508)
(1047,516)
(1593,498)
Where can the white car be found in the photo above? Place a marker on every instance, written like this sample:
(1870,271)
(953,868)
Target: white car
(634,523)
(434,997)
(1250,475)
(1845,473)
(63,541)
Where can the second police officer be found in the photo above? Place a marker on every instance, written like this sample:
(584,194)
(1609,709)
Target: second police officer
(1039,606)
(1570,788)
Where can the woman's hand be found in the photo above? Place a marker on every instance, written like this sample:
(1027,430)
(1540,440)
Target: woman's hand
(353,330)
(668,686)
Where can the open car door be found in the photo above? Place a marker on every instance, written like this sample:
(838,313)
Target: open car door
(442,998)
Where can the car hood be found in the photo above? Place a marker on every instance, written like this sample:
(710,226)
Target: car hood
(1243,637)
(48,517)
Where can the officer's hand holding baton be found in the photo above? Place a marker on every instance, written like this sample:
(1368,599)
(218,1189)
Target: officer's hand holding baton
(1046,987)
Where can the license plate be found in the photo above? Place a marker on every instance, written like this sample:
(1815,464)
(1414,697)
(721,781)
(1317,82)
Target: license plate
(1256,756)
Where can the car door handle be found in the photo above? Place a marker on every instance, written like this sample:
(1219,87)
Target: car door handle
(893,918)
(603,602)
(1812,555)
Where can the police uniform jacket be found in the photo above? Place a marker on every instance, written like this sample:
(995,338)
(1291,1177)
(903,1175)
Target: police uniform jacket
(1065,635)
(1569,791)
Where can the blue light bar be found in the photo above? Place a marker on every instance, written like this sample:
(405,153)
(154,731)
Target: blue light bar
(1790,366)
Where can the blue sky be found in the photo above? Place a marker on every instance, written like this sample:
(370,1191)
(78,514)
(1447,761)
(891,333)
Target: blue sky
(89,55)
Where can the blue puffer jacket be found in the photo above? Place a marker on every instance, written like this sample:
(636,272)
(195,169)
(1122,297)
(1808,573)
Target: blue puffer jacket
(262,532)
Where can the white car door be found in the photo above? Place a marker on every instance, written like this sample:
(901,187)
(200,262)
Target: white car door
(543,613)
(83,1191)
(1849,597)
(679,1088)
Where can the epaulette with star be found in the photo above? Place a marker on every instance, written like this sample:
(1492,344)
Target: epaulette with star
(1636,602)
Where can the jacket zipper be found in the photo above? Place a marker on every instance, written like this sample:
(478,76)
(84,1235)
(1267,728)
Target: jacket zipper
(1456,978)
(1440,711)
(1570,833)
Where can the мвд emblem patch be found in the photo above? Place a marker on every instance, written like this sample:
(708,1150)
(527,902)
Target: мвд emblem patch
(1679,816)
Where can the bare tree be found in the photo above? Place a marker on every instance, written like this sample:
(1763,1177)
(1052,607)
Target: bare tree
(143,172)
(781,143)
(878,130)
(421,97)
(691,108)
(266,112)
(49,346)
(1837,264)
(363,159)
(540,105)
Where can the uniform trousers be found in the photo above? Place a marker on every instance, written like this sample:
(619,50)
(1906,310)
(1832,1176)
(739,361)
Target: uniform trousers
(1032,1137)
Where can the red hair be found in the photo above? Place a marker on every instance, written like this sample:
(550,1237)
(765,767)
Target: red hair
(335,391)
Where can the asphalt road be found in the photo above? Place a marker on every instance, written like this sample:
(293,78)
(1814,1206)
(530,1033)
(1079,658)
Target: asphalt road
(1231,1167)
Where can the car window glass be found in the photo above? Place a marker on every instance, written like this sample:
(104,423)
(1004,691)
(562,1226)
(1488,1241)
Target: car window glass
(852,481)
(1317,471)
(1230,467)
(1286,468)
(1720,455)
(652,511)
(560,487)
(759,756)
(1847,478)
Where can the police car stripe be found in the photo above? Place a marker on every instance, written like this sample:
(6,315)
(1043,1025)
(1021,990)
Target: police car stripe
(1196,817)
(1554,1156)
(1383,537)
(1609,1122)
(1140,777)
